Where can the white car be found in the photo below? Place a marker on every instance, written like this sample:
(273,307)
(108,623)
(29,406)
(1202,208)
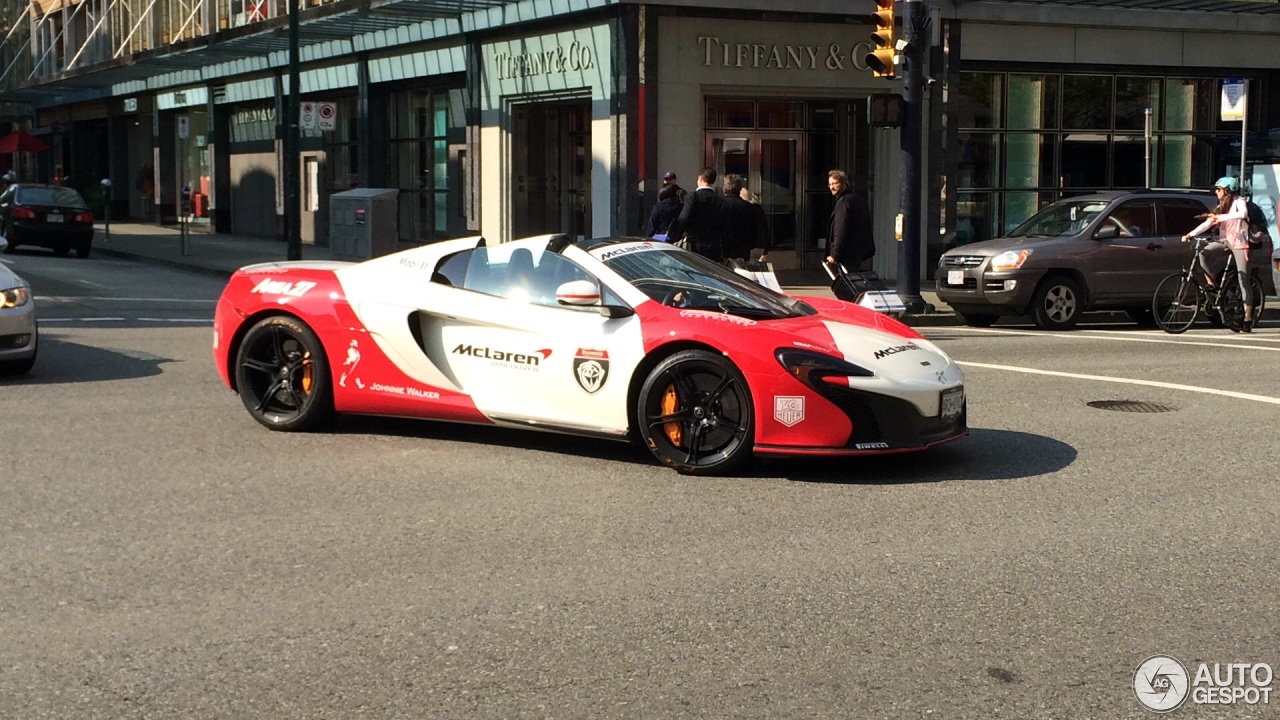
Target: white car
(18,335)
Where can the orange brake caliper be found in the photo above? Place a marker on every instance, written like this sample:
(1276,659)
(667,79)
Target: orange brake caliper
(308,373)
(670,401)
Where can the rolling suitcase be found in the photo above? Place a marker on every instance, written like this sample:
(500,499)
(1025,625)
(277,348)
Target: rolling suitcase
(865,289)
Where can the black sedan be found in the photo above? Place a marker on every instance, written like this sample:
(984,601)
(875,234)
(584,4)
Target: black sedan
(47,216)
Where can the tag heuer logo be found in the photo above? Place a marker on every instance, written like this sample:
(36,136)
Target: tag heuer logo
(591,369)
(788,410)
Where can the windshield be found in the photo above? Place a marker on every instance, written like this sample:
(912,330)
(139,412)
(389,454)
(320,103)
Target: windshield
(1068,217)
(688,280)
(60,197)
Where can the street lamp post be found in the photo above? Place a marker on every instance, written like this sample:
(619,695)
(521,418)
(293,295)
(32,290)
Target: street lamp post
(912,138)
(292,212)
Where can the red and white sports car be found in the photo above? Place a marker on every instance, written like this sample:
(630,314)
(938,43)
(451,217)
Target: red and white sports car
(620,339)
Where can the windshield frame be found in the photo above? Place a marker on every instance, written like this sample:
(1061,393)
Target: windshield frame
(662,272)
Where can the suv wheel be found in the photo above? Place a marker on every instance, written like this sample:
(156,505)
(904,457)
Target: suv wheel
(1058,303)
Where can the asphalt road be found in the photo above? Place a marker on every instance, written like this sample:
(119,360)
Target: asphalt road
(163,556)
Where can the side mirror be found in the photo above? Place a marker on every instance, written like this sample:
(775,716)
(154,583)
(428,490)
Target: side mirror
(580,293)
(1106,232)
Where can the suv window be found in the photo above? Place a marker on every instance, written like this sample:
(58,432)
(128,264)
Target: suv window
(1179,216)
(1135,218)
(1065,217)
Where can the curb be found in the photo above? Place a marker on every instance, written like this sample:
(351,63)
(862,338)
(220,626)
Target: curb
(164,262)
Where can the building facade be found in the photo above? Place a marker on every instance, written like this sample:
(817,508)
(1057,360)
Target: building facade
(509,118)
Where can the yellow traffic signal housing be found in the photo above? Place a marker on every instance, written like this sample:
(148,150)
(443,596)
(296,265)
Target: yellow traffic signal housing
(880,59)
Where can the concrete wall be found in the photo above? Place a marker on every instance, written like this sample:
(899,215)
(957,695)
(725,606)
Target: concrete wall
(253,194)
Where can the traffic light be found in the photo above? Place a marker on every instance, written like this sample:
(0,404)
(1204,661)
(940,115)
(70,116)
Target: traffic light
(886,110)
(880,59)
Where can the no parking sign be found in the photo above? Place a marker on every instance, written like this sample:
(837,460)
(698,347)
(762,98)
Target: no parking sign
(328,114)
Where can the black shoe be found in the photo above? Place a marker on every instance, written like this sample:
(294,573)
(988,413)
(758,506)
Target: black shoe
(1246,326)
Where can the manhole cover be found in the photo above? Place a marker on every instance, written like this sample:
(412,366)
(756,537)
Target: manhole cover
(1134,406)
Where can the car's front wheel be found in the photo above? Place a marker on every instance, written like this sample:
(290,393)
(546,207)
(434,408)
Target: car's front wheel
(82,251)
(695,414)
(1058,304)
(282,375)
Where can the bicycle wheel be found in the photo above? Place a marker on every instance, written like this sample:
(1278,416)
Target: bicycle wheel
(1230,305)
(1176,303)
(1259,298)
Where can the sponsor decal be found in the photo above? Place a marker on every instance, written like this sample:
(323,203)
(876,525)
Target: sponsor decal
(349,365)
(722,317)
(591,369)
(412,392)
(895,350)
(281,287)
(624,250)
(503,358)
(872,446)
(788,410)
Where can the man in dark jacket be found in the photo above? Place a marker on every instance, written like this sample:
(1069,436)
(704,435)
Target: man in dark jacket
(669,181)
(665,212)
(701,221)
(744,227)
(849,238)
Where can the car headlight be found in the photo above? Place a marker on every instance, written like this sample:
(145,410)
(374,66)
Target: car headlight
(1009,260)
(15,297)
(810,367)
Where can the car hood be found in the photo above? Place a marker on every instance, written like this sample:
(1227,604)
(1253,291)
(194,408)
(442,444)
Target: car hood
(995,246)
(9,279)
(873,341)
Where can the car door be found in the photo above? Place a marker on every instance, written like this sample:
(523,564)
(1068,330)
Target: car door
(525,359)
(1177,217)
(1127,253)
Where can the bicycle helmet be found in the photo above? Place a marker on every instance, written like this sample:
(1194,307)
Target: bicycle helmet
(1229,183)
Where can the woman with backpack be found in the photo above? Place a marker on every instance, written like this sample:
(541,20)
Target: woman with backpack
(1231,217)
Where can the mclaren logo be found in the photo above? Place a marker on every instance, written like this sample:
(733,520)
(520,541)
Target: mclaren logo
(895,350)
(591,369)
(501,356)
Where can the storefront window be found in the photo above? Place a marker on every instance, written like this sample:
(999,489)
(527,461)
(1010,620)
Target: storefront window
(781,115)
(1030,161)
(1134,96)
(1189,104)
(979,160)
(1129,161)
(730,114)
(1086,102)
(427,144)
(1084,161)
(1033,102)
(981,100)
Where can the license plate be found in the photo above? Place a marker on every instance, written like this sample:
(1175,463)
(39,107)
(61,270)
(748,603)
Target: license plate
(952,403)
(955,277)
(53,217)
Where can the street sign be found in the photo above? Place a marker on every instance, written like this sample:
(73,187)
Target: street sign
(184,127)
(328,115)
(308,120)
(1235,94)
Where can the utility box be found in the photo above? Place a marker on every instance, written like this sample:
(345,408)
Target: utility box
(362,223)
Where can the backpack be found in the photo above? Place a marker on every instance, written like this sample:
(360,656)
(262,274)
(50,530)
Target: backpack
(1258,234)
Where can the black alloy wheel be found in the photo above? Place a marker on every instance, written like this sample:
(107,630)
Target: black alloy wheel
(282,375)
(695,414)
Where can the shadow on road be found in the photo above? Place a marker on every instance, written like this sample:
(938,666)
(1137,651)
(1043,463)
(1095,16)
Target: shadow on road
(61,361)
(984,455)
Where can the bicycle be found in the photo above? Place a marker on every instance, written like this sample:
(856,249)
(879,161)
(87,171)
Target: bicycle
(1182,296)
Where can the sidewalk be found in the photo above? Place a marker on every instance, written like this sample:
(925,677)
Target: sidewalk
(222,254)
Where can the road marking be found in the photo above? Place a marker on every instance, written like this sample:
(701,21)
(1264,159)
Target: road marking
(208,321)
(205,321)
(94,284)
(77,298)
(1127,381)
(1080,334)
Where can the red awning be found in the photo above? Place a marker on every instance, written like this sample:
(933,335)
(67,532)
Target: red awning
(21,141)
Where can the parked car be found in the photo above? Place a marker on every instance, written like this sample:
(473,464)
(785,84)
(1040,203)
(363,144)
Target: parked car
(18,333)
(1105,250)
(49,216)
(620,339)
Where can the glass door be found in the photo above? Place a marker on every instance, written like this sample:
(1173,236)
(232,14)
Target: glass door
(770,162)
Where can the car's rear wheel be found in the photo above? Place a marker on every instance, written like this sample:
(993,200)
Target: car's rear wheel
(82,251)
(1058,303)
(695,414)
(977,319)
(10,247)
(282,375)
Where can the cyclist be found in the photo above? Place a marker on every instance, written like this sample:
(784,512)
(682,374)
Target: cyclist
(1231,217)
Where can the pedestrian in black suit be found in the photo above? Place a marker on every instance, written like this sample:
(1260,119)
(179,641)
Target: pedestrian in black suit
(849,238)
(743,229)
(702,220)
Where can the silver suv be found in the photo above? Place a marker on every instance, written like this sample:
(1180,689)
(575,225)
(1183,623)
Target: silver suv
(1103,251)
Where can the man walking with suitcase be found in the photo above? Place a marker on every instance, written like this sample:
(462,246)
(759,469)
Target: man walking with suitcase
(849,239)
